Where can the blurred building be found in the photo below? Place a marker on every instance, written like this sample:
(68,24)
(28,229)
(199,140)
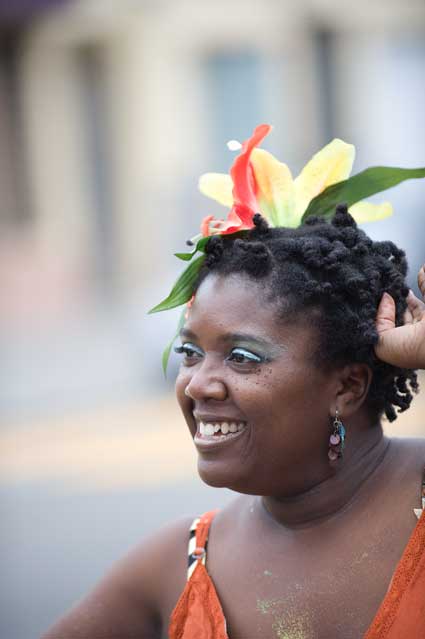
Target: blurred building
(109,111)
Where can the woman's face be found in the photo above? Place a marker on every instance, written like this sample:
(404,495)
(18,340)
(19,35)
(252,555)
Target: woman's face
(256,405)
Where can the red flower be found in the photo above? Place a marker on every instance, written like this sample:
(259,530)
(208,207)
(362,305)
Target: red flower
(245,203)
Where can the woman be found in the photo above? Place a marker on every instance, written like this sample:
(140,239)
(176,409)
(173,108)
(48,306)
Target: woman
(283,393)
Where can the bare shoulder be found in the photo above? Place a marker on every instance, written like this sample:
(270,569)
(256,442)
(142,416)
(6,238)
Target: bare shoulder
(406,471)
(131,598)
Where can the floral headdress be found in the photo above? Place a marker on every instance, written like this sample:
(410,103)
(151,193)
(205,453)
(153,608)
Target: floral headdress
(259,183)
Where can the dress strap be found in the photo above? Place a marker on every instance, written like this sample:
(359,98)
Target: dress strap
(198,541)
(418,511)
(401,613)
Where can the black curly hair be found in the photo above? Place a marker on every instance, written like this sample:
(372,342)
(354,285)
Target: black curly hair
(338,272)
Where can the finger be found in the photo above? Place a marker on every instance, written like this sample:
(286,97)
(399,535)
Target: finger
(385,317)
(415,306)
(421,280)
(407,317)
(403,347)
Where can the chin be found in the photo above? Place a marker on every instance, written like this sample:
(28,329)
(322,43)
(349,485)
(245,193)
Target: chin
(219,475)
(213,473)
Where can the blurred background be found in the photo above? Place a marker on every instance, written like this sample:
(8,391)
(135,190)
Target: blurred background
(109,112)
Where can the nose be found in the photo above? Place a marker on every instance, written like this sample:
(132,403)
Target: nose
(206,383)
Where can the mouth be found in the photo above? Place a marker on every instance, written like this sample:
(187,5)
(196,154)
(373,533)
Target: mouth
(218,432)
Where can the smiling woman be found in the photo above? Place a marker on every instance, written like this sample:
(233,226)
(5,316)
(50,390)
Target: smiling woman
(270,389)
(296,342)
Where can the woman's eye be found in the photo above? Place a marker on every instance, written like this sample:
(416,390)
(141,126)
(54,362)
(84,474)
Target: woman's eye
(242,356)
(190,351)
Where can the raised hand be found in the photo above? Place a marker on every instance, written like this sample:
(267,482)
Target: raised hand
(402,346)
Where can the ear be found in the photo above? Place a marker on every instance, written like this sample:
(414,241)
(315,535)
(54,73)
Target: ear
(352,388)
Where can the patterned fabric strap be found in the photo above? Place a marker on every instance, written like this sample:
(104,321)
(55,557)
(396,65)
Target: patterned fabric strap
(198,541)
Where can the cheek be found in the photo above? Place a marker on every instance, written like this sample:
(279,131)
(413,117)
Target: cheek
(253,392)
(299,411)
(285,392)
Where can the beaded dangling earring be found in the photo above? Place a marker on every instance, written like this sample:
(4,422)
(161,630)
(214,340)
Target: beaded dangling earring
(337,439)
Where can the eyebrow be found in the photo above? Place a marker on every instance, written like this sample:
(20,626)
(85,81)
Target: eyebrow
(234,337)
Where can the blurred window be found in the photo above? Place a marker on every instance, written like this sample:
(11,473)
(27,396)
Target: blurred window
(234,96)
(13,177)
(97,136)
(323,42)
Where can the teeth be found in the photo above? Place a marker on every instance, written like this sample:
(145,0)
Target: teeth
(209,429)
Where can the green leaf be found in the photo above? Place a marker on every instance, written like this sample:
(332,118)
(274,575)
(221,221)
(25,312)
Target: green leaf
(200,245)
(182,290)
(167,349)
(186,257)
(373,180)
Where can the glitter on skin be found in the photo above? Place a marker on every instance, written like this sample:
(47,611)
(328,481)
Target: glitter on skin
(286,624)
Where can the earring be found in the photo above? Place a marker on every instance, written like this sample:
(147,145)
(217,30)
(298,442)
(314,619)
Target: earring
(337,439)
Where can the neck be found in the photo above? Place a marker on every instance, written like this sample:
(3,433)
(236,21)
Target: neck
(327,498)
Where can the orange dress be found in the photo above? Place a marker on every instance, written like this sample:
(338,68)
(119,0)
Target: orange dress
(198,613)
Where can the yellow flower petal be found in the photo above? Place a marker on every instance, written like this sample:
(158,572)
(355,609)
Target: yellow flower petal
(330,165)
(275,188)
(217,186)
(367,212)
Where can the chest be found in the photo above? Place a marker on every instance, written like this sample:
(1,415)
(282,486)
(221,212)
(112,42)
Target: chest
(331,589)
